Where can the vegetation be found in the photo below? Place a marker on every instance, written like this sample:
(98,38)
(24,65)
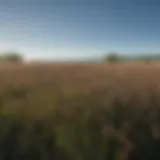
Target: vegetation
(112,57)
(11,57)
(79,112)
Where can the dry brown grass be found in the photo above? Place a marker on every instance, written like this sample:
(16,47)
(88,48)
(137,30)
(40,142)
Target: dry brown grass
(113,80)
(133,84)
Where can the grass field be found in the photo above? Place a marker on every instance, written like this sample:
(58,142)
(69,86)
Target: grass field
(79,111)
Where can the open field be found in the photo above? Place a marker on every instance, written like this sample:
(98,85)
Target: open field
(79,111)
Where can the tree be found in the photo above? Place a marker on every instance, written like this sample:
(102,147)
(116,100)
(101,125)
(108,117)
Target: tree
(112,57)
(11,57)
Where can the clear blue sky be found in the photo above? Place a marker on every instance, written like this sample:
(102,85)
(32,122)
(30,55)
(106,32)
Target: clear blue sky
(69,29)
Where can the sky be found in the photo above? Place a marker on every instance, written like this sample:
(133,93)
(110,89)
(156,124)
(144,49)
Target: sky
(79,29)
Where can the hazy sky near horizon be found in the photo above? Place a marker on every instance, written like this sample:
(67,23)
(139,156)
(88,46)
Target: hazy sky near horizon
(69,29)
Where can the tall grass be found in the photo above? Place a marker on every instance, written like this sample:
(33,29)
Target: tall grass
(79,112)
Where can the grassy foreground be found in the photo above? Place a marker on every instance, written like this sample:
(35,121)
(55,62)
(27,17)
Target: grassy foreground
(79,112)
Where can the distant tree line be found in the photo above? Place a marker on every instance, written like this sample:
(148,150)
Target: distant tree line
(114,57)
